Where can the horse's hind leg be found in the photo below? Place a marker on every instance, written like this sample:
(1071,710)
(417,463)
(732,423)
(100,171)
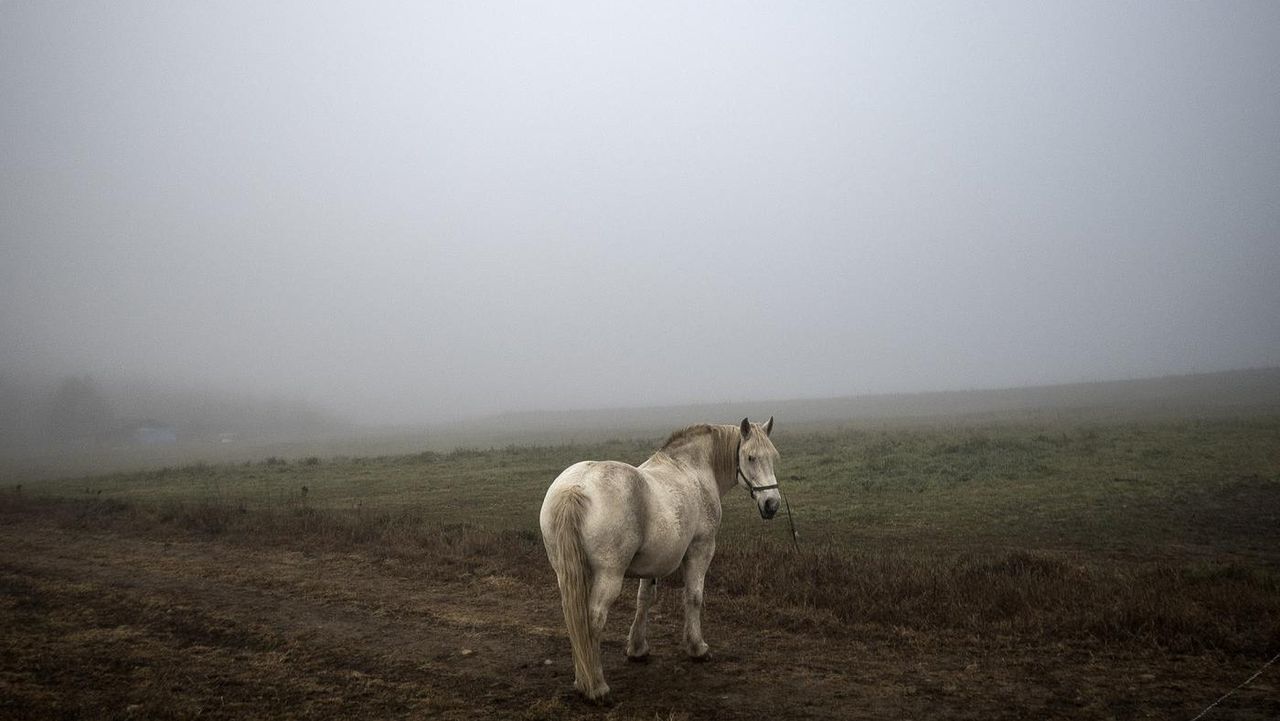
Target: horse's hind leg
(638,639)
(604,591)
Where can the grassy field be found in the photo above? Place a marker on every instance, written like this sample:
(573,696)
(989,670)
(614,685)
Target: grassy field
(1171,489)
(1142,555)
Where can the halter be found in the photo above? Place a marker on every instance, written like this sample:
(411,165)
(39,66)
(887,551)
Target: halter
(737,461)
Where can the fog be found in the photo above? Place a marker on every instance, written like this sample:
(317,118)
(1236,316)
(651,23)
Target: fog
(413,212)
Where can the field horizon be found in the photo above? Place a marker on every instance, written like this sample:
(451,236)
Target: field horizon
(1241,393)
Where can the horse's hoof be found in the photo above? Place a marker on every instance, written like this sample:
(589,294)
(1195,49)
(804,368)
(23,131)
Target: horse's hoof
(600,698)
(706,656)
(642,658)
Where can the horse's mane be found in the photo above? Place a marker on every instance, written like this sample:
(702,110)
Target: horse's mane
(724,446)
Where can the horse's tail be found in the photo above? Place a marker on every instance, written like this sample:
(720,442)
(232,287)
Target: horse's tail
(575,579)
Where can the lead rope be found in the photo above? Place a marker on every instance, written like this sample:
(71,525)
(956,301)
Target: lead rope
(795,537)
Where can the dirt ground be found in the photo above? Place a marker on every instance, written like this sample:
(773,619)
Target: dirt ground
(119,625)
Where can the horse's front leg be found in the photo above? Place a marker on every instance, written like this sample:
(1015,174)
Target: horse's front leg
(638,639)
(696,561)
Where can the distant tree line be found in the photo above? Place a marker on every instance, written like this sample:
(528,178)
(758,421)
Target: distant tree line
(79,410)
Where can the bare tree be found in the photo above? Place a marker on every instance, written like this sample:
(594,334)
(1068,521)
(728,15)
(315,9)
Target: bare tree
(78,410)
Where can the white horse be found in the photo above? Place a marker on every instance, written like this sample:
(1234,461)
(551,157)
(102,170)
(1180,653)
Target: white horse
(604,520)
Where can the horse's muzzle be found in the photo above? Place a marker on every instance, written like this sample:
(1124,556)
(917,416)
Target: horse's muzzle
(769,509)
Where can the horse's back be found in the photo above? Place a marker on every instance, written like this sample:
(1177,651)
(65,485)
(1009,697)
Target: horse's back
(603,483)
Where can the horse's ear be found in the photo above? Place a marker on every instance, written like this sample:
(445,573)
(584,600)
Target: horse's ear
(768,427)
(746,429)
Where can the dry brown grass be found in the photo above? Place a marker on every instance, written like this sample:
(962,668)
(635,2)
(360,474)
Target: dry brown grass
(1010,593)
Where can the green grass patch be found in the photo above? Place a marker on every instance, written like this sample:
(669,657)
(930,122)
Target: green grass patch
(1188,489)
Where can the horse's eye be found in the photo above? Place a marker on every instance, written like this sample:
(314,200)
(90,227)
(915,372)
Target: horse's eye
(751,459)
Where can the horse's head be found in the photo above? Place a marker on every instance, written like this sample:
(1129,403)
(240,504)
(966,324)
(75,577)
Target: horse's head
(756,456)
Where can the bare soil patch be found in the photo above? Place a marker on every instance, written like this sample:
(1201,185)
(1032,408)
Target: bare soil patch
(107,619)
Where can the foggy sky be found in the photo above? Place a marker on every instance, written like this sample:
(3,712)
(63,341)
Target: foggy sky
(410,211)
